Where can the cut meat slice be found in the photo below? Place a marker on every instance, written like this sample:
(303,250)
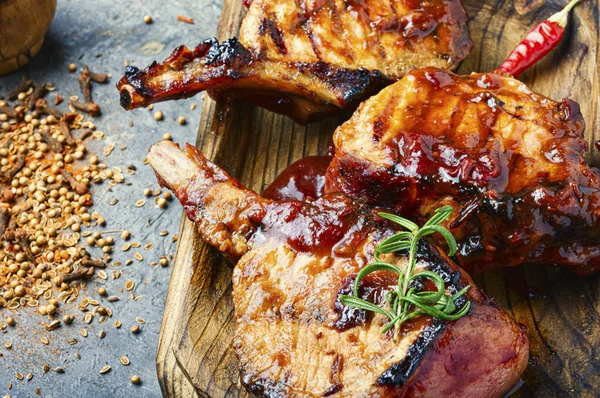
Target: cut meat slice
(308,59)
(293,260)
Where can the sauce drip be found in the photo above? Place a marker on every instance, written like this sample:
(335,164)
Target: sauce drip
(302,180)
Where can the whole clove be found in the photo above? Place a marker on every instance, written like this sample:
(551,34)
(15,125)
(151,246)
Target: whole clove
(12,112)
(79,274)
(39,91)
(54,145)
(77,186)
(85,85)
(93,263)
(97,77)
(63,126)
(20,88)
(85,79)
(4,220)
(41,106)
(10,174)
(22,239)
(91,108)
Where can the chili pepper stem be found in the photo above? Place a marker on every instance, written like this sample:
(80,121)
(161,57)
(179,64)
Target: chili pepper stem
(562,17)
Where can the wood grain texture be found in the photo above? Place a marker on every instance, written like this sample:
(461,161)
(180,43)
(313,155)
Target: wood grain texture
(561,311)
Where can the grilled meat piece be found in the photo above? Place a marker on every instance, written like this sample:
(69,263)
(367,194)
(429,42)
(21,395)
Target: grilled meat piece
(509,160)
(307,59)
(293,337)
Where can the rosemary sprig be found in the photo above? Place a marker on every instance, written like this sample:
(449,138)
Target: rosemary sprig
(407,301)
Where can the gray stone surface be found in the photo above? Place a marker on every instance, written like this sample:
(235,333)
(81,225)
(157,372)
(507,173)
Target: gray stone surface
(103,34)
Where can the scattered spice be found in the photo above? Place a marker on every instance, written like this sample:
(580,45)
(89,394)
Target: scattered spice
(158,115)
(147,19)
(46,219)
(41,106)
(22,87)
(188,20)
(91,108)
(135,379)
(105,369)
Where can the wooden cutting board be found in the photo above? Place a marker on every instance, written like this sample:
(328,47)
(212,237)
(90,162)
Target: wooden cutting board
(561,311)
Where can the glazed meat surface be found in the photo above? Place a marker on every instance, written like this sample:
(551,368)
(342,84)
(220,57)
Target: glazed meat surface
(510,161)
(310,58)
(293,259)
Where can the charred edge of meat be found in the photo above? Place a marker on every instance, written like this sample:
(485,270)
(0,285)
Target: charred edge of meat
(230,53)
(399,373)
(229,61)
(451,278)
(354,85)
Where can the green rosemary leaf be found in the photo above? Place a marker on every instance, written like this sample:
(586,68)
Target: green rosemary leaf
(411,226)
(378,266)
(463,291)
(356,302)
(439,216)
(393,247)
(400,236)
(430,297)
(436,313)
(407,302)
(431,229)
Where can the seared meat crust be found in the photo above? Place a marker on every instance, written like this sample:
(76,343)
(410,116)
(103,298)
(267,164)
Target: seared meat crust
(310,58)
(293,260)
(509,160)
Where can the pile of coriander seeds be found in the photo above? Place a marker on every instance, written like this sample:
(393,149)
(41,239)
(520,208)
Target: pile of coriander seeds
(44,202)
(47,223)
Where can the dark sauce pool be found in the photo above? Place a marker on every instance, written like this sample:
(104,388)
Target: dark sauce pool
(301,180)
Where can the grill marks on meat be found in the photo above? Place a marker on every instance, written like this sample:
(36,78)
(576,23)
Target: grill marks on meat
(294,258)
(309,58)
(510,161)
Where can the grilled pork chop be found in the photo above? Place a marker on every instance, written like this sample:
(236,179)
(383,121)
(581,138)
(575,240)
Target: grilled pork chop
(310,58)
(509,160)
(293,336)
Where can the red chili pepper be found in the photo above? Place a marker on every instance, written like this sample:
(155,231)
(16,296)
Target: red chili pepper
(537,43)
